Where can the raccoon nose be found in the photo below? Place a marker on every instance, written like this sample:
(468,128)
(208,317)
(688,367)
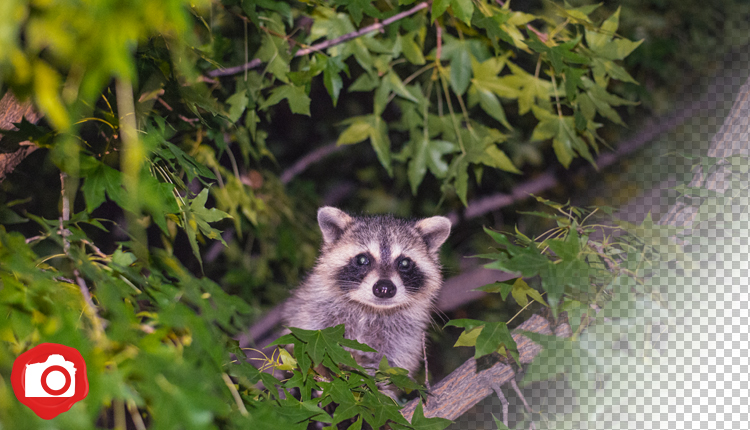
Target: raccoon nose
(384,289)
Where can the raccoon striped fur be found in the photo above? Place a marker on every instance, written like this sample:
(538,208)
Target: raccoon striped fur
(378,275)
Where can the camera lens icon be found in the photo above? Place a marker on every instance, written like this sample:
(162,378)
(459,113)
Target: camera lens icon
(53,378)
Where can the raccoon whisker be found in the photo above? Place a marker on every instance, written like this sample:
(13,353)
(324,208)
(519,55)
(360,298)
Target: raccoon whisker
(443,316)
(449,271)
(433,324)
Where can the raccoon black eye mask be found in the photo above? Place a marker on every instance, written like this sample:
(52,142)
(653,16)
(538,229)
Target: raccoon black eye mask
(378,275)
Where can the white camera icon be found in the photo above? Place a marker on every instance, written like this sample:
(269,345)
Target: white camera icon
(53,378)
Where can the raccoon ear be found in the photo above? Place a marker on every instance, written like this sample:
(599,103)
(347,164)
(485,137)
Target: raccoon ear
(332,223)
(434,231)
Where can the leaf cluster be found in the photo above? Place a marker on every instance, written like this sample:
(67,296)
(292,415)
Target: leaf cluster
(326,376)
(160,158)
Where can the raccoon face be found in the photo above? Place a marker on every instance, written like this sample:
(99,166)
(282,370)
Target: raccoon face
(381,261)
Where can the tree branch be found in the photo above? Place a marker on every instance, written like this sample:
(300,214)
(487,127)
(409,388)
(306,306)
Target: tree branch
(327,44)
(473,380)
(311,158)
(733,138)
(548,180)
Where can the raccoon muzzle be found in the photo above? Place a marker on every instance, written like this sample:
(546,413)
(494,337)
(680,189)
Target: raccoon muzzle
(384,289)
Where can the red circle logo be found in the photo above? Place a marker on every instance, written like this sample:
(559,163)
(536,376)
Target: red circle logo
(49,379)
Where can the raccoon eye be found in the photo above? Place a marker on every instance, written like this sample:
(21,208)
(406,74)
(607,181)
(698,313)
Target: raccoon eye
(405,264)
(362,260)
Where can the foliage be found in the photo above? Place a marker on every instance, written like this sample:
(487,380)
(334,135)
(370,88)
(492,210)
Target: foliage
(592,281)
(156,151)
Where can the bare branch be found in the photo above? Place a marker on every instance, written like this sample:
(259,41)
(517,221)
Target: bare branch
(303,163)
(503,401)
(327,44)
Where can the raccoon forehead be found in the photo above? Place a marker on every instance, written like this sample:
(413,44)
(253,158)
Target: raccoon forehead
(386,235)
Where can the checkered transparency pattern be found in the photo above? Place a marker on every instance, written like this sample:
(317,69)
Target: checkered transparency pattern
(678,358)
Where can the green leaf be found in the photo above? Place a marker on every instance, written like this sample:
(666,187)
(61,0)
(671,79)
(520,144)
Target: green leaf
(193,169)
(420,422)
(567,249)
(399,88)
(47,95)
(532,88)
(576,311)
(196,218)
(460,76)
(565,141)
(299,102)
(436,149)
(356,7)
(198,208)
(295,411)
(497,159)
(237,105)
(522,290)
(466,323)
(381,142)
(418,164)
(504,288)
(274,51)
(462,178)
(491,105)
(597,39)
(123,259)
(499,424)
(411,50)
(357,425)
(493,336)
(375,128)
(326,342)
(365,82)
(469,337)
(438,8)
(332,78)
(359,130)
(100,179)
(463,9)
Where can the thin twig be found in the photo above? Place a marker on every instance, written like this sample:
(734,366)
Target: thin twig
(503,401)
(135,415)
(65,216)
(93,312)
(235,394)
(426,371)
(96,250)
(118,407)
(514,384)
(327,44)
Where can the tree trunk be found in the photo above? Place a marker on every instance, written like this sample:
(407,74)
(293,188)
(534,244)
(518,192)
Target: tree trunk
(11,111)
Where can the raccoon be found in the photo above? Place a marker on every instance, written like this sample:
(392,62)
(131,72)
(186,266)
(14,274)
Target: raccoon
(378,275)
